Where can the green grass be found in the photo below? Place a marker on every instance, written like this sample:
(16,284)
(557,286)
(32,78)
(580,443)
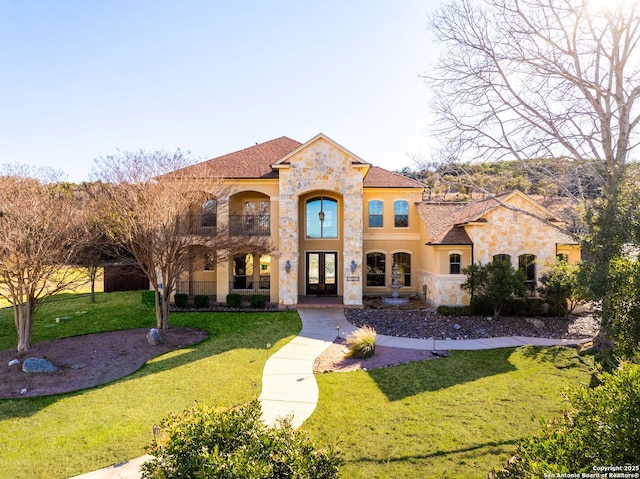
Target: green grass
(65,435)
(447,418)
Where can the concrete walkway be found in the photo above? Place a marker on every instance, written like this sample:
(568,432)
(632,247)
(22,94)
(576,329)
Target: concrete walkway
(289,387)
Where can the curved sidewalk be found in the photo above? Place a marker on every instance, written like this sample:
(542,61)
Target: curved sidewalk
(289,386)
(288,383)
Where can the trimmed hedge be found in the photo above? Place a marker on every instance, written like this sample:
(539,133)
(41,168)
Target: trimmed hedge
(258,300)
(181,300)
(148,298)
(201,301)
(234,300)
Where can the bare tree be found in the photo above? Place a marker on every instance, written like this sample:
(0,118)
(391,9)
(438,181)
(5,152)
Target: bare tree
(147,214)
(38,238)
(531,79)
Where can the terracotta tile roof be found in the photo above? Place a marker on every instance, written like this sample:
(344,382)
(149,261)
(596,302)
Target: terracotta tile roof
(445,221)
(378,177)
(439,220)
(252,162)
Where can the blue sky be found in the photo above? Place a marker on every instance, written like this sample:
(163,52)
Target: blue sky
(81,79)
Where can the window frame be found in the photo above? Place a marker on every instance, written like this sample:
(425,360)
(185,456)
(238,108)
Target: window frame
(455,264)
(403,275)
(382,275)
(316,219)
(380,216)
(399,215)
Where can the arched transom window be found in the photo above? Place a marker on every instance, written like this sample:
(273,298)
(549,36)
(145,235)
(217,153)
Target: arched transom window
(322,218)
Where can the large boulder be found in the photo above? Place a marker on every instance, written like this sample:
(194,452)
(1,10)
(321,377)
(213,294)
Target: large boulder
(153,337)
(38,365)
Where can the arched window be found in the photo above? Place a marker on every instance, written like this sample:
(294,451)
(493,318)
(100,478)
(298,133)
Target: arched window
(401,214)
(376,269)
(455,263)
(322,218)
(527,264)
(209,261)
(243,271)
(502,257)
(403,261)
(209,214)
(376,208)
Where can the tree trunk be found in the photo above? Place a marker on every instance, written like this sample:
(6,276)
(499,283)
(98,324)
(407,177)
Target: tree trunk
(93,271)
(162,309)
(24,323)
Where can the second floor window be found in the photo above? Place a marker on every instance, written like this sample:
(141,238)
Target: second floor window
(376,208)
(209,212)
(256,216)
(401,214)
(322,218)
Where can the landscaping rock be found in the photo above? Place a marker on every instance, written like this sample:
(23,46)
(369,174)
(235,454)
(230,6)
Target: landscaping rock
(537,323)
(38,365)
(153,337)
(79,366)
(13,362)
(23,391)
(430,324)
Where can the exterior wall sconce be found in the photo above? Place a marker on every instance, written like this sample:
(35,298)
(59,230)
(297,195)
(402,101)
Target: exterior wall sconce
(287,266)
(353,266)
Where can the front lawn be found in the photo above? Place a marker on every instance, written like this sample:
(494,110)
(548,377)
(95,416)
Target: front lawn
(66,435)
(446,418)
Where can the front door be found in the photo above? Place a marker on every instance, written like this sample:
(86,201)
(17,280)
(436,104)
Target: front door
(321,273)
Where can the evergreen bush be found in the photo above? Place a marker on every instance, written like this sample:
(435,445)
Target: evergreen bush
(205,442)
(234,300)
(201,301)
(600,430)
(148,298)
(258,301)
(181,300)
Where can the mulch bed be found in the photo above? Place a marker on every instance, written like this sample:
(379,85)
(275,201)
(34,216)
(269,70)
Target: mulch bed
(87,361)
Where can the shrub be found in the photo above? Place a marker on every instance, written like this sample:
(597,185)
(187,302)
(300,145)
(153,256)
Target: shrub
(181,300)
(362,343)
(148,298)
(454,310)
(234,300)
(560,287)
(601,429)
(497,282)
(258,301)
(201,301)
(206,442)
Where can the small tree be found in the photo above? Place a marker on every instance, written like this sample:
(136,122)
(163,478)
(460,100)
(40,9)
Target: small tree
(497,282)
(560,287)
(39,235)
(602,428)
(145,201)
(205,442)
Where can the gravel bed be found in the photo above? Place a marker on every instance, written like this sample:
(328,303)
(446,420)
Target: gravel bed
(426,324)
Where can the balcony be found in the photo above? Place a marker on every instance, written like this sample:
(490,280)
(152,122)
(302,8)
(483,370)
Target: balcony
(204,225)
(249,225)
(196,288)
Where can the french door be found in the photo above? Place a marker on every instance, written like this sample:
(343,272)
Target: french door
(321,273)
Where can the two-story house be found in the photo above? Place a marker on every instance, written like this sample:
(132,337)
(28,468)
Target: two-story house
(338,224)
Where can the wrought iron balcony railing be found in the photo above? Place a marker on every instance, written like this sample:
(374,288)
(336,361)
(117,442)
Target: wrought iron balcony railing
(249,225)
